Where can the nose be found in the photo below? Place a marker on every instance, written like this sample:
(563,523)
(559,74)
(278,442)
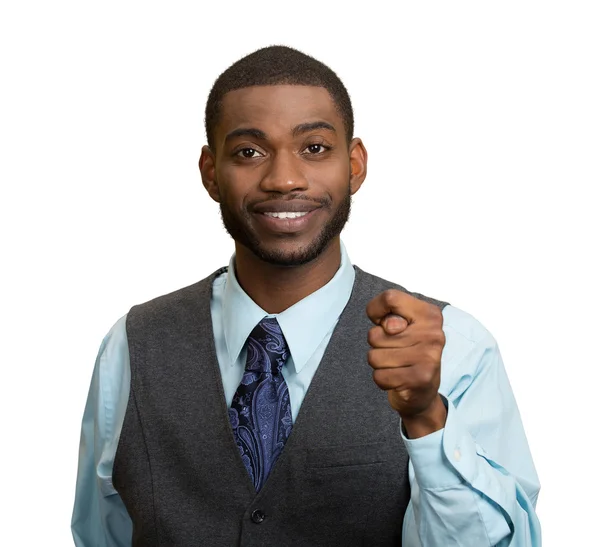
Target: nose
(284,174)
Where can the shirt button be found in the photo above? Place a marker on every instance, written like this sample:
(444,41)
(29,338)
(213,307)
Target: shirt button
(257,516)
(457,454)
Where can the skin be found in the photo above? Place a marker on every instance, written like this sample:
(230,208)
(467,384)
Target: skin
(287,144)
(406,356)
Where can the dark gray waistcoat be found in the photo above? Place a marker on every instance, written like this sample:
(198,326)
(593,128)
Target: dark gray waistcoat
(341,480)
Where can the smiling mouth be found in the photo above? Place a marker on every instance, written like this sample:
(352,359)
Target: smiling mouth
(286,222)
(286,214)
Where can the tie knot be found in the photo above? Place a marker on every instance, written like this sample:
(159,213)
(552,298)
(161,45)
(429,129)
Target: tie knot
(267,347)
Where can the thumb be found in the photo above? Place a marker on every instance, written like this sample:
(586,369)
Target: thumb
(393,323)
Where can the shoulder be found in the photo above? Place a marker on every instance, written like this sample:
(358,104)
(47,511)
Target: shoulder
(167,304)
(113,355)
(373,285)
(463,326)
(469,348)
(460,326)
(182,293)
(110,383)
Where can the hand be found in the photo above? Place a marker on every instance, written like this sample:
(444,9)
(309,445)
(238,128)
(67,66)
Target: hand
(407,342)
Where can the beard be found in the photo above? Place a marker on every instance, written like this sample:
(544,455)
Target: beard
(240,229)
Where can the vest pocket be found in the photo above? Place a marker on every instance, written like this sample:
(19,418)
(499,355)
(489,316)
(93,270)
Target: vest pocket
(346,456)
(339,489)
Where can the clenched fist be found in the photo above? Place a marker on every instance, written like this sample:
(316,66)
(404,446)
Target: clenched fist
(407,342)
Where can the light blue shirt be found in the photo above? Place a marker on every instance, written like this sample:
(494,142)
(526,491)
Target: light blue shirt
(473,483)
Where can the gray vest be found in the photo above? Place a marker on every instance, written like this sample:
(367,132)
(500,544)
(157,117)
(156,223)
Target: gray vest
(342,478)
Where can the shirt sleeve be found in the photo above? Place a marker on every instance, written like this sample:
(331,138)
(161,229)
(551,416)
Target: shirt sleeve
(473,483)
(99,516)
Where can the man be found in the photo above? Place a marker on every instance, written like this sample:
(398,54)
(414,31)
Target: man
(291,398)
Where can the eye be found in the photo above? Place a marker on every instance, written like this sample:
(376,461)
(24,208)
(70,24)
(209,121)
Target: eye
(316,148)
(248,153)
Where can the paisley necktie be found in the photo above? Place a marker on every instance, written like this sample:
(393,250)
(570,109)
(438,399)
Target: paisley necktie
(260,412)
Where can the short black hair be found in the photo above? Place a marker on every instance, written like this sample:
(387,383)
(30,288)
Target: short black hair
(277,65)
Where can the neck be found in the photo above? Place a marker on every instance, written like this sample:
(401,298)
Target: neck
(276,288)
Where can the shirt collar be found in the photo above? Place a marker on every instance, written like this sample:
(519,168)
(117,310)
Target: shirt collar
(304,324)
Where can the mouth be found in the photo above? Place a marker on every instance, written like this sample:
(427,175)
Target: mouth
(286,216)
(286,221)
(286,207)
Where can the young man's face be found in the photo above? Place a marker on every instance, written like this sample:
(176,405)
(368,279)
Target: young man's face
(283,149)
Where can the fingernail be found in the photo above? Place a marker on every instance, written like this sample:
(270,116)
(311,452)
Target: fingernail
(393,323)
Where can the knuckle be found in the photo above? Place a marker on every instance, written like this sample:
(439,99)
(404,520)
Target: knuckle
(374,335)
(407,395)
(434,335)
(371,357)
(429,337)
(434,314)
(427,375)
(433,354)
(389,296)
(379,378)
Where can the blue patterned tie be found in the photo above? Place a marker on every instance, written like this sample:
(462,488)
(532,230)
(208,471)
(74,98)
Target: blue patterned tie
(260,412)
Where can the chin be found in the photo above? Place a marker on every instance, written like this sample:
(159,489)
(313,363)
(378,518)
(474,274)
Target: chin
(285,257)
(290,256)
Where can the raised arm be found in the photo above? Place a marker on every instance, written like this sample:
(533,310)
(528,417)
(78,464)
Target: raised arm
(473,482)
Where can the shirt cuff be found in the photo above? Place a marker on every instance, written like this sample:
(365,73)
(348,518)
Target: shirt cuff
(446,457)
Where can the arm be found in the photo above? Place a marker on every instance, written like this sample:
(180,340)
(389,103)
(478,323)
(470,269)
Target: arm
(472,478)
(99,516)
(473,482)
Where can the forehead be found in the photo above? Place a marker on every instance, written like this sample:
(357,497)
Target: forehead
(280,107)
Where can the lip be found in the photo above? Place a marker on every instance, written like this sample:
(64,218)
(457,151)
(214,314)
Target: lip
(280,206)
(286,225)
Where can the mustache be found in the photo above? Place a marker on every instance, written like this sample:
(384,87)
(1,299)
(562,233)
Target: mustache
(323,201)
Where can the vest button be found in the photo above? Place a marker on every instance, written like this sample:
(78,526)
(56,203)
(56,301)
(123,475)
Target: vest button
(257,516)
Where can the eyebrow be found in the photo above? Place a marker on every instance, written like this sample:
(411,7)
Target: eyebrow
(246,132)
(312,126)
(261,135)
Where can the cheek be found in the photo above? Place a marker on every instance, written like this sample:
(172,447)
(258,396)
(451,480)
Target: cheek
(233,186)
(332,178)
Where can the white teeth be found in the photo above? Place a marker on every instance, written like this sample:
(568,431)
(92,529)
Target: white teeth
(285,215)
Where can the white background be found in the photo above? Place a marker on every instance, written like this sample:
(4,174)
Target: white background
(482,121)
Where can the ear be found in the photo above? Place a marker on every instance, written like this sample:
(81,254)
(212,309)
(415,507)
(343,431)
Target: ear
(358,164)
(207,171)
